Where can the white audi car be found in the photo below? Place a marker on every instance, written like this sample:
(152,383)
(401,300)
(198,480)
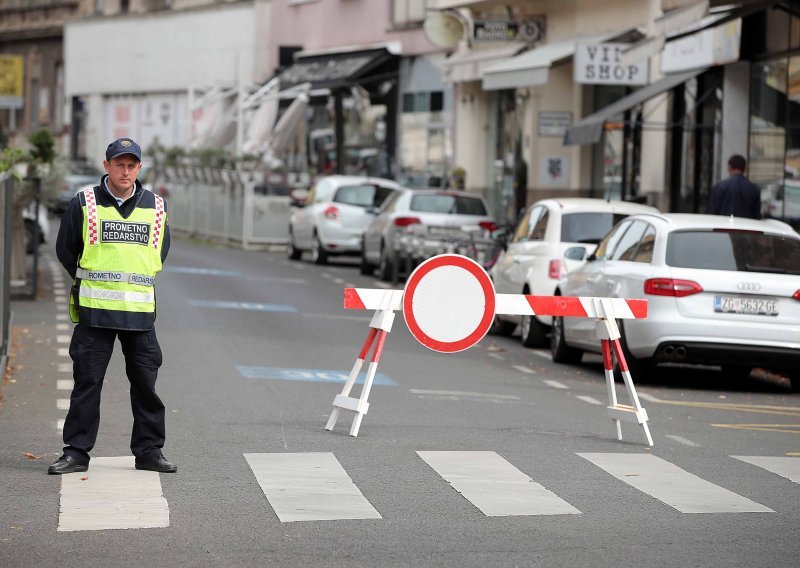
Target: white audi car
(720,290)
(552,237)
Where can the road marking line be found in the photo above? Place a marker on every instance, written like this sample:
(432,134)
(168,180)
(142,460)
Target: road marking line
(335,317)
(283,308)
(62,403)
(64,368)
(112,495)
(784,428)
(759,408)
(64,384)
(785,467)
(326,275)
(60,424)
(589,399)
(308,375)
(62,326)
(310,486)
(648,397)
(495,486)
(672,485)
(543,354)
(381,284)
(62,317)
(554,384)
(63,351)
(524,369)
(338,280)
(464,393)
(63,338)
(684,441)
(195,270)
(497,356)
(60,299)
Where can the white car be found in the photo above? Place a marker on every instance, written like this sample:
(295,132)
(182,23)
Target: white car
(720,290)
(552,238)
(430,211)
(334,216)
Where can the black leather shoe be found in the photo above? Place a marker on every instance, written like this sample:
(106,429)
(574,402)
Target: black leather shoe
(66,464)
(157,463)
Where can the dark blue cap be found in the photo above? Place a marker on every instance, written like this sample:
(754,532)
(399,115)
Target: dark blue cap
(122,146)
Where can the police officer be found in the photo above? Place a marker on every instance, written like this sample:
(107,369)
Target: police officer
(113,240)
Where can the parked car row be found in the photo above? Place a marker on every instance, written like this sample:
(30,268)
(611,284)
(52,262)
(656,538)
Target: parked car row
(721,290)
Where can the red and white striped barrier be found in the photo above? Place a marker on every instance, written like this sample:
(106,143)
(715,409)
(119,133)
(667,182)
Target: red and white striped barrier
(449,303)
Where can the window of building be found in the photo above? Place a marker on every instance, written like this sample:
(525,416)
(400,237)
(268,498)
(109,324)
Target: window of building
(408,12)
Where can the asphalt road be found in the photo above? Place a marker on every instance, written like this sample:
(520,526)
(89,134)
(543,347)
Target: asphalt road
(254,347)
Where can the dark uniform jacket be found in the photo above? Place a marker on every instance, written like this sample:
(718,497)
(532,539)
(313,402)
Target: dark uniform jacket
(736,196)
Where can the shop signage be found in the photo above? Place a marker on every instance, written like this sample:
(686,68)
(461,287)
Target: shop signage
(715,46)
(529,30)
(11,81)
(554,123)
(600,64)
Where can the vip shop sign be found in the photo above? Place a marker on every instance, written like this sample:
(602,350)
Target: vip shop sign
(599,64)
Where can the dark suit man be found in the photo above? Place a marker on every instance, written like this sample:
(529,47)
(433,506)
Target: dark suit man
(737,195)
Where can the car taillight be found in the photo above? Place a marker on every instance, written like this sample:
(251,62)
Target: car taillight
(406,221)
(671,287)
(331,213)
(487,226)
(796,295)
(556,270)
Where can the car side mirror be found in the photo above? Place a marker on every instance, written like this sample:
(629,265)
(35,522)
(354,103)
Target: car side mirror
(575,253)
(372,210)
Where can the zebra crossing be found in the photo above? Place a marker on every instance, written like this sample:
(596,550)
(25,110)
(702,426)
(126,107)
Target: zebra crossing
(314,486)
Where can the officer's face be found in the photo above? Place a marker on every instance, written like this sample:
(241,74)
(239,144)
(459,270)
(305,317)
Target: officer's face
(122,171)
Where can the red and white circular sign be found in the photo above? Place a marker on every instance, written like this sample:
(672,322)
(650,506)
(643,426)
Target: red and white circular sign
(449,303)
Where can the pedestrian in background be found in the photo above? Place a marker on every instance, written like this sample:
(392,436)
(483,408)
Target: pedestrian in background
(736,195)
(113,240)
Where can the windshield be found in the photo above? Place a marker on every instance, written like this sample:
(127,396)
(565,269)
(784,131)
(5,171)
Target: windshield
(587,227)
(366,195)
(732,250)
(450,204)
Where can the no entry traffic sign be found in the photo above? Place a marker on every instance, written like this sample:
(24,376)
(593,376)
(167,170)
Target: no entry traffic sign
(448,303)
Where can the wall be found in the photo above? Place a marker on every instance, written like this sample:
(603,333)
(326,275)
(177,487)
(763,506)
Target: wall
(163,51)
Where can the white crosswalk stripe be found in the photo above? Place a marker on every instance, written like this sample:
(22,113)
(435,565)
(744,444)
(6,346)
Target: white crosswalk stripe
(672,485)
(784,466)
(112,495)
(495,486)
(309,487)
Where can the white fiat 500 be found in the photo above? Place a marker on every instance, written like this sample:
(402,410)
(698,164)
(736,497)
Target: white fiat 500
(552,237)
(334,216)
(720,290)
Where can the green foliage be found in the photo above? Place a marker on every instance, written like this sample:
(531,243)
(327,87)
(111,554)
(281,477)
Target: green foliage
(10,157)
(43,147)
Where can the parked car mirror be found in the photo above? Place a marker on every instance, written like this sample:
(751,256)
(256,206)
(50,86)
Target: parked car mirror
(575,253)
(298,197)
(372,210)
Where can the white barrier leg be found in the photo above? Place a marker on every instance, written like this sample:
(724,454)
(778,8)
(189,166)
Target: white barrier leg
(351,380)
(380,325)
(609,335)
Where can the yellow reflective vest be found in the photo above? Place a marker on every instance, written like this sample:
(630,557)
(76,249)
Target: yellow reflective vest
(115,280)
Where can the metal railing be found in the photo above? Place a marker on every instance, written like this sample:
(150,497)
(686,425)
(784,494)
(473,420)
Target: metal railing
(6,207)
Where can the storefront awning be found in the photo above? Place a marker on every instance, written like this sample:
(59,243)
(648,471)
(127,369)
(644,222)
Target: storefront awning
(469,66)
(331,70)
(533,67)
(590,129)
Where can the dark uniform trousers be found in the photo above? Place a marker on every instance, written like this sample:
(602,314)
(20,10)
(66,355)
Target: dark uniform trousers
(90,351)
